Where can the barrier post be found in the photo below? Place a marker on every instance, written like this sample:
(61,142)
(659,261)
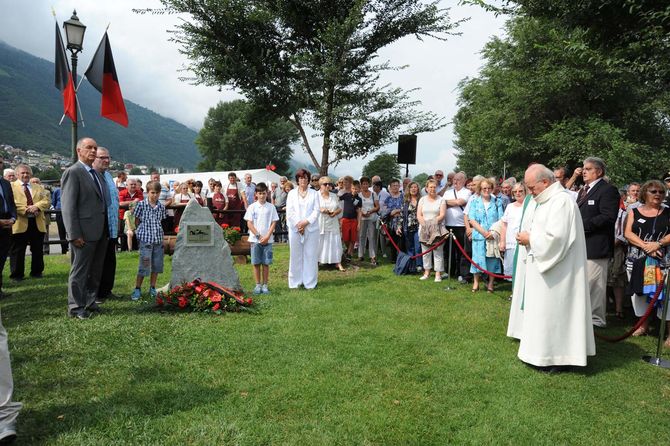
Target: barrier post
(657,360)
(449,286)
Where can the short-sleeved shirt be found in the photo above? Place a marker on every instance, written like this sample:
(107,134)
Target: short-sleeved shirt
(150,229)
(250,192)
(124,195)
(350,205)
(455,213)
(262,216)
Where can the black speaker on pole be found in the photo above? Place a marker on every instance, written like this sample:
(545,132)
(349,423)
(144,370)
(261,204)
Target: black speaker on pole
(407,149)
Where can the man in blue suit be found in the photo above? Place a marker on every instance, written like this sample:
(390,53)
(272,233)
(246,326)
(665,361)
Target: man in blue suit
(9,409)
(7,219)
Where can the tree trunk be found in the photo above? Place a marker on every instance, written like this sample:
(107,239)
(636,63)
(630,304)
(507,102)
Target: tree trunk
(305,142)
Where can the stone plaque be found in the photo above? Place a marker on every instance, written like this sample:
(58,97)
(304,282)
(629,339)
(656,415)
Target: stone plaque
(198,234)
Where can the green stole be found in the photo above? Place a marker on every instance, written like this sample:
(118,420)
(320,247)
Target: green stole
(516,251)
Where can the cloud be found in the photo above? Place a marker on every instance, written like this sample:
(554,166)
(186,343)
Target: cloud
(148,64)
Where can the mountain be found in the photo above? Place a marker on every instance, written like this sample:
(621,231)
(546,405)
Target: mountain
(31,106)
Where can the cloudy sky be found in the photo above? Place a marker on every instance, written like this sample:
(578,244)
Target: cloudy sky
(148,65)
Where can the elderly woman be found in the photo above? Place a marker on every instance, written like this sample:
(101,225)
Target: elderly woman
(484,210)
(302,213)
(509,227)
(648,234)
(393,208)
(431,211)
(330,241)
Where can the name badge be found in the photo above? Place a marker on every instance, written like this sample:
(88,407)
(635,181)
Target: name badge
(641,220)
(591,202)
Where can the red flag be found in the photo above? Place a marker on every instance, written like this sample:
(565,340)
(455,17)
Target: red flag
(64,81)
(102,75)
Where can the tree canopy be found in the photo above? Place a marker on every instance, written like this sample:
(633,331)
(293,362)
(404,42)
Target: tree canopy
(383,164)
(537,100)
(313,63)
(234,136)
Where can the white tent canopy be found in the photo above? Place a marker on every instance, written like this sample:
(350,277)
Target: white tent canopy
(257,176)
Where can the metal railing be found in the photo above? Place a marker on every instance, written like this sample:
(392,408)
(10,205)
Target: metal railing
(280,232)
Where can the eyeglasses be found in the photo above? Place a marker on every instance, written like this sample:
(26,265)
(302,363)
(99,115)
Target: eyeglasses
(102,157)
(439,175)
(518,192)
(655,192)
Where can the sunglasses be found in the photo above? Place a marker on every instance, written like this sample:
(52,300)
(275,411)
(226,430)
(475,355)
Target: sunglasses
(655,192)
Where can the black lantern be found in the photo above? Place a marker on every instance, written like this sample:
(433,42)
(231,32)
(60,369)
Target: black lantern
(74,31)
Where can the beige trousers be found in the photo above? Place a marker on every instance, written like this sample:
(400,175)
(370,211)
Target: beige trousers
(596,270)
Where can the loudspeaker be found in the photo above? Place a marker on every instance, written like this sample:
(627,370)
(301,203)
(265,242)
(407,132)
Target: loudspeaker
(407,149)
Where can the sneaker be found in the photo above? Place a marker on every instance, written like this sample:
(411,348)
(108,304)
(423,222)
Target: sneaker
(461,280)
(137,293)
(264,289)
(373,262)
(152,292)
(258,289)
(419,269)
(438,278)
(423,277)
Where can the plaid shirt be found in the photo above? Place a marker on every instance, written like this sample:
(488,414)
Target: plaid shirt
(150,229)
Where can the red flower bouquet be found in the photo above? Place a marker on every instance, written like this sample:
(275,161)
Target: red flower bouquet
(207,297)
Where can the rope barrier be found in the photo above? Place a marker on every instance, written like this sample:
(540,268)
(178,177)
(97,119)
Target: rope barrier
(642,320)
(414,256)
(499,276)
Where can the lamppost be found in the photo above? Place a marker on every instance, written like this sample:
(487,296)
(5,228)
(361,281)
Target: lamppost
(74,32)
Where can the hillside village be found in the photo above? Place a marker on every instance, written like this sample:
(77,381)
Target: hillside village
(53,163)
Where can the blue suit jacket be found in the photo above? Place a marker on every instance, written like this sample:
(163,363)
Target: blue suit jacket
(8,195)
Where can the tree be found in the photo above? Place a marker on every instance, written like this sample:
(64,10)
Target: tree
(535,101)
(235,137)
(385,165)
(135,171)
(421,179)
(312,63)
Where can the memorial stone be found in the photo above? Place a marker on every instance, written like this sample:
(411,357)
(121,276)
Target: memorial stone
(201,251)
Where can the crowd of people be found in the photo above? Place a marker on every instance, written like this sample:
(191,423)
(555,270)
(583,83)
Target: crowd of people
(565,242)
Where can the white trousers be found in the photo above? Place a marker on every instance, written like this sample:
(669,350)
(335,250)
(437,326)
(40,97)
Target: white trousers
(303,266)
(367,231)
(596,270)
(436,254)
(9,410)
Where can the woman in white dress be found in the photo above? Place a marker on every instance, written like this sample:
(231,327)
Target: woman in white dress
(330,240)
(302,213)
(511,220)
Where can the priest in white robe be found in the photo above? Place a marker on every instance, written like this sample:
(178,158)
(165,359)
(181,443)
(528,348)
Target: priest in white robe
(556,328)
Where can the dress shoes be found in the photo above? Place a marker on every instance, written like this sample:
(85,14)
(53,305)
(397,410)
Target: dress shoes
(4,295)
(16,279)
(36,276)
(94,308)
(112,296)
(80,314)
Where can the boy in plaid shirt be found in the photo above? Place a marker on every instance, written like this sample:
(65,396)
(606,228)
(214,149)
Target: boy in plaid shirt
(148,216)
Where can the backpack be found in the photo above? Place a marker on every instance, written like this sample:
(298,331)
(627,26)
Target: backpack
(404,264)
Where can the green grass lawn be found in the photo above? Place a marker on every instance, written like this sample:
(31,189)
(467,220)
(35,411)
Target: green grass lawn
(366,358)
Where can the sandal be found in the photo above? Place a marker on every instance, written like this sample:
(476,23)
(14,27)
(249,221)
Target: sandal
(620,315)
(489,290)
(640,332)
(474,290)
